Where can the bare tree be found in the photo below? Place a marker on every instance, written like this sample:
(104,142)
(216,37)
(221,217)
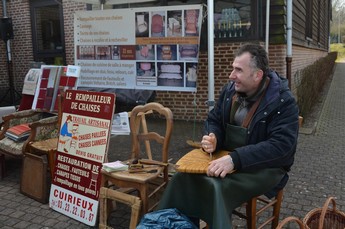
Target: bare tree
(338,21)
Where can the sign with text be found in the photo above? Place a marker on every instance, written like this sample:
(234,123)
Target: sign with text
(152,48)
(82,147)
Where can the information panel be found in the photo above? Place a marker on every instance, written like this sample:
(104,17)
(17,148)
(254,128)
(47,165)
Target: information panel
(82,147)
(154,48)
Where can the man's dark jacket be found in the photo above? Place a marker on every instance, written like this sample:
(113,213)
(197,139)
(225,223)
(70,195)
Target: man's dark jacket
(273,132)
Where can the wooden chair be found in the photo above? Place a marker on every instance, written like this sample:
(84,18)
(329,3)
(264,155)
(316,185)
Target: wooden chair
(130,200)
(153,178)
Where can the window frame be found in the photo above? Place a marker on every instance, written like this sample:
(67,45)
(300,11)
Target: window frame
(309,19)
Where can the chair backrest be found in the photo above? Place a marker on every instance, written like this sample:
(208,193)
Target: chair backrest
(141,137)
(173,22)
(191,21)
(144,51)
(157,23)
(140,19)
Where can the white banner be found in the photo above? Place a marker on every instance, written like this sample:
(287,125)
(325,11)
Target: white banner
(141,48)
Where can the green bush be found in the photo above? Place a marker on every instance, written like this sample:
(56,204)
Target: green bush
(340,49)
(313,79)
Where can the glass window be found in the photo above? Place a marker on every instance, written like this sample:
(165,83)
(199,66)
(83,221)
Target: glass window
(47,31)
(232,19)
(309,19)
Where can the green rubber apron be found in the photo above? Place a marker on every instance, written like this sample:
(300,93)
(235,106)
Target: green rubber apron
(213,199)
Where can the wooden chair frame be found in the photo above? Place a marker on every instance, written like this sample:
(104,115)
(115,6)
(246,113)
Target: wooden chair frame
(130,200)
(147,184)
(252,211)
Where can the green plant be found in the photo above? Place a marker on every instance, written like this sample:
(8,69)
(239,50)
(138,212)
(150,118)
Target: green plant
(313,79)
(340,49)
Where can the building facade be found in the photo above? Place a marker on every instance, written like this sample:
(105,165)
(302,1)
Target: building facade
(43,32)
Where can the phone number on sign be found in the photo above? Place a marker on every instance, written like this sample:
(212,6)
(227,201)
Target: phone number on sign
(73,210)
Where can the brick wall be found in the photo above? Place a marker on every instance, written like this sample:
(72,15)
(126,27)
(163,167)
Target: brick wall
(277,57)
(21,45)
(301,57)
(69,7)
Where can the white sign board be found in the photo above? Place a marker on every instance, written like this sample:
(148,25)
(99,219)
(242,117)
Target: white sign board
(82,146)
(154,48)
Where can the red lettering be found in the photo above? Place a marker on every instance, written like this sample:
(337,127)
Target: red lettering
(73,200)
(84,204)
(90,207)
(78,202)
(69,198)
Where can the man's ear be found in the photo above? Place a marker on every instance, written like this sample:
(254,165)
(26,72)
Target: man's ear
(259,75)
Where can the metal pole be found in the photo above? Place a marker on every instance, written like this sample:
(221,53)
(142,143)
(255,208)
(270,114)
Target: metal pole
(210,21)
(267,25)
(339,26)
(4,7)
(289,41)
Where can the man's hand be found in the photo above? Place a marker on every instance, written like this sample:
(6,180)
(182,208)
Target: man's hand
(220,167)
(209,142)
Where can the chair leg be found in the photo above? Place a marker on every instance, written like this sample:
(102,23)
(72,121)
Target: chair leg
(51,161)
(2,166)
(276,209)
(251,213)
(103,202)
(143,197)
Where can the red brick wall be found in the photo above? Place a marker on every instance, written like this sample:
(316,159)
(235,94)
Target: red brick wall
(21,45)
(69,7)
(301,57)
(277,57)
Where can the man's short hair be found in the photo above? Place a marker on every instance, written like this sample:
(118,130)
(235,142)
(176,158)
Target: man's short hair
(258,54)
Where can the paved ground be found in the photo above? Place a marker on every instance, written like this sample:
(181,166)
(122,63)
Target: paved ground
(316,174)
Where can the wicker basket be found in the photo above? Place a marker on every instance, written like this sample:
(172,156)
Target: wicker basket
(325,217)
(289,220)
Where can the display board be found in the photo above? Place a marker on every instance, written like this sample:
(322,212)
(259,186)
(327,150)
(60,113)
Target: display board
(82,146)
(152,48)
(51,82)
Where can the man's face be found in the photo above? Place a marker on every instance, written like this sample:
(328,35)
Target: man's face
(246,79)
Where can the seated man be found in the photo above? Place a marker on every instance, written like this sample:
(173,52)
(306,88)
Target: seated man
(256,120)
